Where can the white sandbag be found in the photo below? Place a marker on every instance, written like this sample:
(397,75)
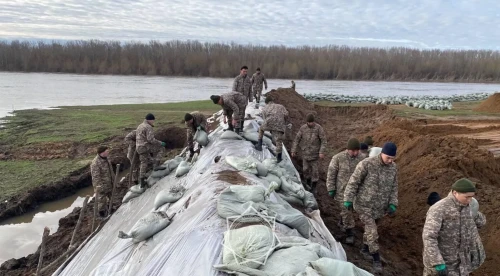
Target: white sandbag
(182,169)
(146,227)
(292,189)
(290,261)
(374,151)
(310,201)
(169,196)
(230,135)
(291,199)
(290,217)
(152,181)
(261,170)
(254,137)
(160,172)
(248,164)
(173,163)
(201,137)
(268,134)
(253,193)
(309,271)
(272,178)
(474,207)
(289,241)
(129,195)
(332,267)
(137,189)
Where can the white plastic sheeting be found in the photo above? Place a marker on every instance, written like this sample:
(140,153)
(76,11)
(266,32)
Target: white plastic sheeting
(192,244)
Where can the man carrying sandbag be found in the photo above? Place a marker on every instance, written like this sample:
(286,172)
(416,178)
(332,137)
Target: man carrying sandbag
(339,171)
(194,121)
(373,188)
(146,146)
(130,140)
(275,117)
(103,176)
(233,106)
(452,245)
(312,140)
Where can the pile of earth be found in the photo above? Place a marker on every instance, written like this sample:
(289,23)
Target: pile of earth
(491,105)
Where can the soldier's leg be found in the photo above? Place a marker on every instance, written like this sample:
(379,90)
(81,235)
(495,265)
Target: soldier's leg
(347,217)
(230,120)
(314,175)
(278,139)
(135,172)
(306,173)
(258,93)
(145,159)
(370,236)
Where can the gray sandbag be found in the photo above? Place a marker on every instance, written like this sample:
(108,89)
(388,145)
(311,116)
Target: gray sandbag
(254,137)
(289,241)
(152,181)
(201,137)
(230,135)
(272,178)
(310,201)
(173,163)
(169,196)
(182,169)
(290,217)
(290,261)
(237,200)
(160,172)
(292,189)
(147,226)
(291,199)
(332,267)
(261,170)
(129,195)
(137,189)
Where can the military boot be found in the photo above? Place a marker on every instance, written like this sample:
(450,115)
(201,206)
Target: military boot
(143,182)
(377,264)
(366,252)
(259,145)
(350,236)
(278,157)
(230,127)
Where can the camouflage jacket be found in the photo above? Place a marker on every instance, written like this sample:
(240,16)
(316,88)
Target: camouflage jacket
(130,140)
(102,174)
(339,171)
(450,236)
(258,80)
(312,141)
(234,101)
(372,187)
(145,137)
(275,117)
(199,120)
(242,85)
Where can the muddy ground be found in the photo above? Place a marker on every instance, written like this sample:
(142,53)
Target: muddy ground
(432,154)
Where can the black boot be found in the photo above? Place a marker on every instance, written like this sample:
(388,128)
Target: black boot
(259,145)
(278,157)
(237,130)
(313,187)
(350,236)
(230,127)
(377,264)
(366,252)
(143,182)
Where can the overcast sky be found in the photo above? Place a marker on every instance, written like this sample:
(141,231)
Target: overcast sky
(472,24)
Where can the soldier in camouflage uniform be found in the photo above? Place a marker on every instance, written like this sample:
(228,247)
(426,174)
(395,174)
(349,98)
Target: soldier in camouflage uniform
(363,150)
(103,176)
(275,117)
(233,107)
(194,121)
(452,245)
(257,79)
(130,140)
(146,146)
(339,171)
(312,140)
(373,188)
(243,84)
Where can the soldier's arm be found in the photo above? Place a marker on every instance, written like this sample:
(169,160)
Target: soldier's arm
(234,107)
(393,199)
(150,137)
(433,222)
(252,80)
(480,220)
(322,137)
(354,181)
(95,172)
(235,84)
(333,170)
(130,138)
(296,142)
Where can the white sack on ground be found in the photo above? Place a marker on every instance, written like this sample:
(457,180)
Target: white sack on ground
(182,169)
(230,135)
(160,172)
(169,196)
(201,137)
(129,195)
(247,164)
(173,163)
(146,227)
(332,267)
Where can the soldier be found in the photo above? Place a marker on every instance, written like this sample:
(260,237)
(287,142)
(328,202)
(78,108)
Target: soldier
(450,234)
(257,79)
(293,85)
(130,140)
(339,171)
(146,146)
(275,117)
(363,150)
(194,121)
(312,140)
(103,176)
(369,142)
(243,84)
(373,188)
(233,106)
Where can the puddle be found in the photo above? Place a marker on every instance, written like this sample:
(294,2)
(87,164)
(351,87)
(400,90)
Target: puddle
(21,235)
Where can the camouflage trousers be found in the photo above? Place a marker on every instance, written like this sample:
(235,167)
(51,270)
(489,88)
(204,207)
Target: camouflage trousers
(147,161)
(370,236)
(310,169)
(432,272)
(257,93)
(134,163)
(346,216)
(239,123)
(277,138)
(103,199)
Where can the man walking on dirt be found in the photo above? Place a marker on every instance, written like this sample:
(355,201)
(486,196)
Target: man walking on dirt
(243,84)
(339,171)
(233,107)
(257,80)
(275,117)
(312,141)
(373,188)
(146,146)
(194,121)
(102,176)
(132,155)
(452,245)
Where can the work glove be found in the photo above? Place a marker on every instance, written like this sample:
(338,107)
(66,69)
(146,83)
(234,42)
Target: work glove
(332,193)
(441,270)
(163,144)
(391,210)
(348,205)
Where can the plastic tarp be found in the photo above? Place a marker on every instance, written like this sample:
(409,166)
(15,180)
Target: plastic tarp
(193,241)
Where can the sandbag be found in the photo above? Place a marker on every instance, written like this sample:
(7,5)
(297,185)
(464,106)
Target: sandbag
(290,217)
(129,195)
(248,164)
(230,135)
(310,201)
(332,267)
(160,172)
(201,137)
(173,163)
(261,170)
(292,188)
(182,169)
(474,207)
(253,193)
(254,137)
(374,151)
(290,261)
(291,199)
(146,227)
(169,196)
(289,241)
(272,178)
(152,181)
(137,189)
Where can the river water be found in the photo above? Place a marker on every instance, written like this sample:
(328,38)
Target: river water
(42,90)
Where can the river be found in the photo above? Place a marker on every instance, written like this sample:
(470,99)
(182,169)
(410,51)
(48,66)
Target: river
(44,90)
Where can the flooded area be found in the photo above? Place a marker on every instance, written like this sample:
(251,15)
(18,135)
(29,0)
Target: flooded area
(21,235)
(43,90)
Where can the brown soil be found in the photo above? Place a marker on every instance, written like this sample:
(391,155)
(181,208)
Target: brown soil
(491,105)
(232,177)
(174,137)
(431,156)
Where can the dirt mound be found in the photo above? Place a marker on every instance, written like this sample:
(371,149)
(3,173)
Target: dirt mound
(492,104)
(174,137)
(232,177)
(297,106)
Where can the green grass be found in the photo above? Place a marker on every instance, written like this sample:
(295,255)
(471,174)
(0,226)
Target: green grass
(20,176)
(89,124)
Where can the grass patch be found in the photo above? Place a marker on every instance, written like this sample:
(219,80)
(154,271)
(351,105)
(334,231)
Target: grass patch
(88,124)
(30,174)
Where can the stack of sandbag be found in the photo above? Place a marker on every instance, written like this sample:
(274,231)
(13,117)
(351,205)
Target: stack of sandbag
(169,196)
(163,170)
(133,192)
(147,226)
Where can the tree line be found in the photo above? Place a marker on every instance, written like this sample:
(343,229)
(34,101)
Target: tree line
(193,58)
